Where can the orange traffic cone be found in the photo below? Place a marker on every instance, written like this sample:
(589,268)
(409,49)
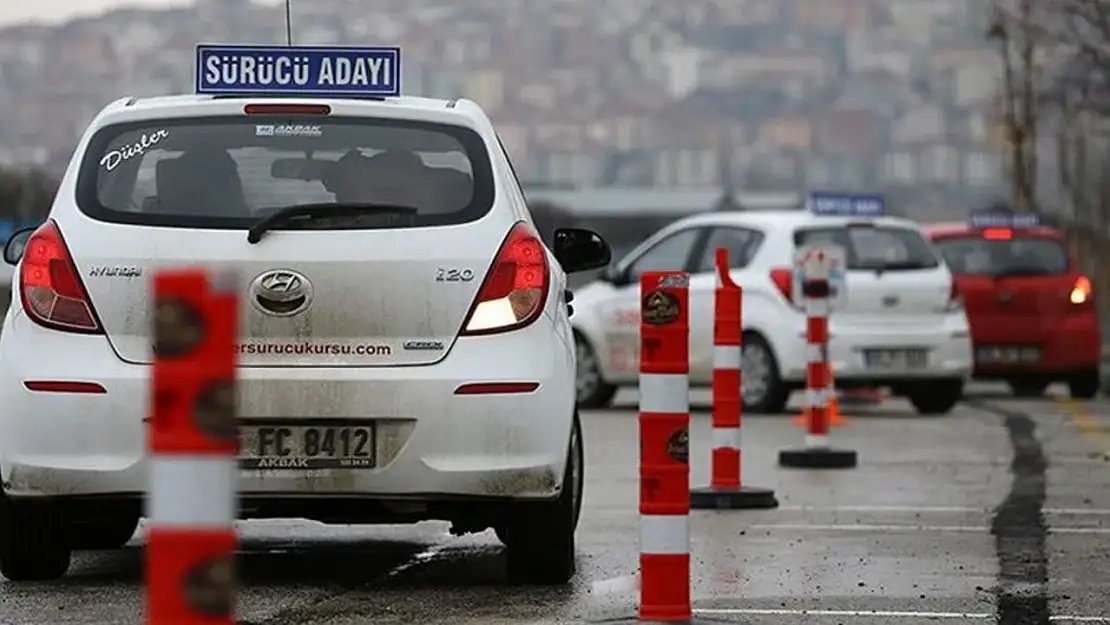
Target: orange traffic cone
(835,418)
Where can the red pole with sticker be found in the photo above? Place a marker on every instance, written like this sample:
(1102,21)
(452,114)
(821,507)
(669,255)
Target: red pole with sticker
(725,490)
(816,291)
(193,443)
(664,447)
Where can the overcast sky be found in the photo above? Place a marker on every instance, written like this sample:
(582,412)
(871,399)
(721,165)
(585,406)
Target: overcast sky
(57,10)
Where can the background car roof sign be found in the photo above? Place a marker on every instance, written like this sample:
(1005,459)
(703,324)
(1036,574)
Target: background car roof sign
(845,204)
(298,71)
(1002,217)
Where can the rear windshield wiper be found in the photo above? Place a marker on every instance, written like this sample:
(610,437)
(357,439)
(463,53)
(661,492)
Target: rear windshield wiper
(306,213)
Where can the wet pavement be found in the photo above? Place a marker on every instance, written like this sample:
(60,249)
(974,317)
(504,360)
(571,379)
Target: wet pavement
(996,513)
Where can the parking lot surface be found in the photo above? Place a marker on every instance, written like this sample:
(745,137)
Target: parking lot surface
(996,513)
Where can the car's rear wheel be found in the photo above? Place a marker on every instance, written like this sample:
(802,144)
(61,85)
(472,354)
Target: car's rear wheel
(1085,385)
(540,537)
(591,389)
(33,543)
(109,532)
(761,387)
(1028,388)
(936,397)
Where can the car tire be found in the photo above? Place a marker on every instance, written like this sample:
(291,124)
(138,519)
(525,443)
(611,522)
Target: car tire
(1028,388)
(111,532)
(33,544)
(591,389)
(759,365)
(1085,385)
(539,538)
(935,398)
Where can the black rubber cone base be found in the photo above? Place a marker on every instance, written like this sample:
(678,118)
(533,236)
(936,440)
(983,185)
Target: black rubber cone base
(818,458)
(743,498)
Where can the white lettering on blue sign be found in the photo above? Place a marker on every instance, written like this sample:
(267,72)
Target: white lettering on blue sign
(1004,218)
(846,205)
(306,71)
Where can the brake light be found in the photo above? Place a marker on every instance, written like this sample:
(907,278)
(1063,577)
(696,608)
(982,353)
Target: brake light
(783,280)
(955,298)
(513,293)
(50,287)
(998,234)
(287,109)
(1081,291)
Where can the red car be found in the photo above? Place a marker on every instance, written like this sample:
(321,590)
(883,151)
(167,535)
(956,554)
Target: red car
(1032,314)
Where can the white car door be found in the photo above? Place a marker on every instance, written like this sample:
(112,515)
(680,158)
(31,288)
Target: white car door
(741,244)
(621,314)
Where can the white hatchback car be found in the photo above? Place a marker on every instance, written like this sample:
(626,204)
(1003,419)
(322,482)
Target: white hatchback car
(394,293)
(903,325)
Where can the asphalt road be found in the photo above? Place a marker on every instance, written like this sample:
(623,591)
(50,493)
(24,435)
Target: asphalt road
(997,513)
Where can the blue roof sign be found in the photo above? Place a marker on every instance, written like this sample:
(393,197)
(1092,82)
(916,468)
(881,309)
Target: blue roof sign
(307,71)
(845,205)
(1002,217)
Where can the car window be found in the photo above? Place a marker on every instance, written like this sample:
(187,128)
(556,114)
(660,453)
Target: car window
(973,255)
(228,172)
(874,247)
(741,244)
(669,254)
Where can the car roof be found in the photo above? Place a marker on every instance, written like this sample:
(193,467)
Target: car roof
(456,111)
(785,219)
(961,228)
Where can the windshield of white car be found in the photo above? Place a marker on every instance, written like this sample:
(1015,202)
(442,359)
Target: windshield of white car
(1018,256)
(228,172)
(874,248)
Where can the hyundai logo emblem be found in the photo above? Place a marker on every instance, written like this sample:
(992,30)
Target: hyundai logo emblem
(281,292)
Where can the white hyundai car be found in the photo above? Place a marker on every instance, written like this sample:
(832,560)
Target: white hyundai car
(396,301)
(902,325)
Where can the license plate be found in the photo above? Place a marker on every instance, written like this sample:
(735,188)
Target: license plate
(307,447)
(896,359)
(1007,354)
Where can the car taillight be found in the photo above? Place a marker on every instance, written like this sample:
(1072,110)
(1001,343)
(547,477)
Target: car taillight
(783,280)
(1081,291)
(955,298)
(513,294)
(50,287)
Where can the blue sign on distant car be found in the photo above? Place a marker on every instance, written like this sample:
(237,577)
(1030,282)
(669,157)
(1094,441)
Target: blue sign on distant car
(1003,217)
(302,71)
(845,205)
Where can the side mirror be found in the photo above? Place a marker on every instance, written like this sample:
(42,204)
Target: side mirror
(17,243)
(578,249)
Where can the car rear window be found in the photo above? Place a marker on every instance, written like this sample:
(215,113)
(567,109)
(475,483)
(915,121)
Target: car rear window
(870,247)
(973,255)
(229,172)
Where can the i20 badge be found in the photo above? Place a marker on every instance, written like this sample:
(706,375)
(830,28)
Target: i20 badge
(423,346)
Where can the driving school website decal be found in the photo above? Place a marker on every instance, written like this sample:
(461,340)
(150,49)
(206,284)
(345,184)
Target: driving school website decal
(291,348)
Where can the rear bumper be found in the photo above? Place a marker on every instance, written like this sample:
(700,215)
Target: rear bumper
(948,345)
(1069,344)
(432,443)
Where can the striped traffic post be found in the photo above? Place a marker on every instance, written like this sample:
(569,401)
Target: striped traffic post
(192,441)
(664,447)
(725,489)
(816,293)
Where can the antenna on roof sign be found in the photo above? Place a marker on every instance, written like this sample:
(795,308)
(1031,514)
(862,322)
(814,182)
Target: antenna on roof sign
(289,22)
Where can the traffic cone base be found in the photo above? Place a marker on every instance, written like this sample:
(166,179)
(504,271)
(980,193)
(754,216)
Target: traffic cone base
(818,458)
(739,498)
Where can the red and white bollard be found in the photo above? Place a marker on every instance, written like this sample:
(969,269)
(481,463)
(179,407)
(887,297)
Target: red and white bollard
(819,388)
(193,444)
(664,447)
(725,489)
